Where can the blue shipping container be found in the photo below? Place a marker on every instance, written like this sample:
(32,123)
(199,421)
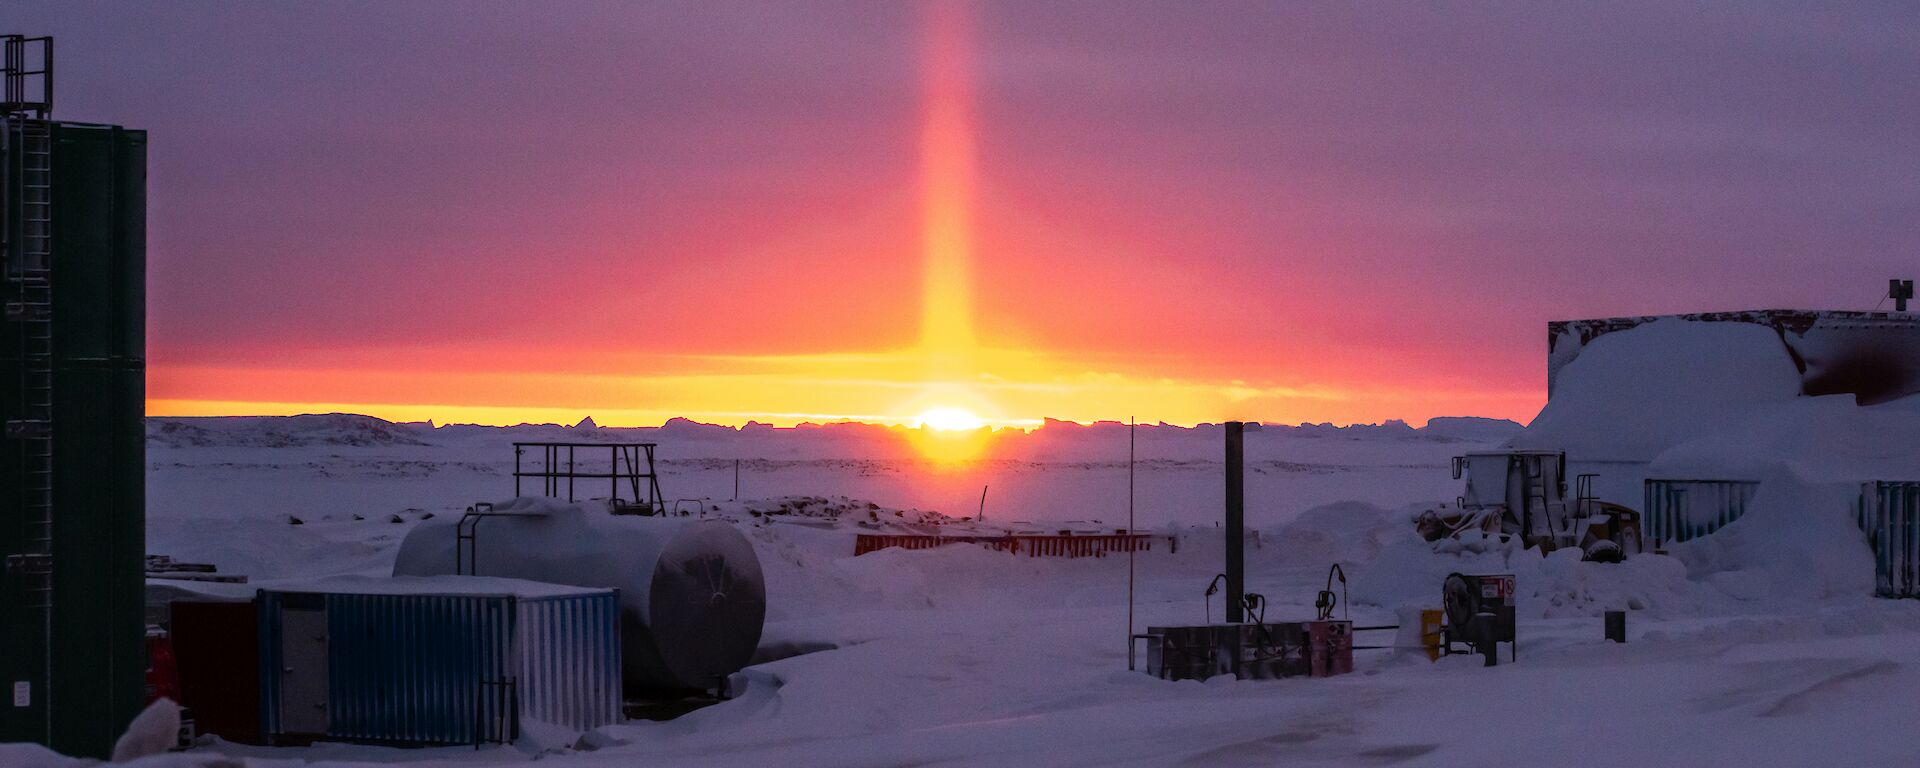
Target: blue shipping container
(436,660)
(1678,510)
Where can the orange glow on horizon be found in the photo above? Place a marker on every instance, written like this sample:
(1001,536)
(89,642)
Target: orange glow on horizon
(1015,389)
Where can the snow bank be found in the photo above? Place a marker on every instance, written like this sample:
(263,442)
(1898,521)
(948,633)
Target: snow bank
(22,755)
(1345,532)
(1799,540)
(1559,585)
(154,731)
(1633,394)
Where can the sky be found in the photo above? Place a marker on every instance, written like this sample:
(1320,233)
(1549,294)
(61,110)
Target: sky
(1184,212)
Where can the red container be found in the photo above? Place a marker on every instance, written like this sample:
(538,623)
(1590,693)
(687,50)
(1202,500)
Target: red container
(216,648)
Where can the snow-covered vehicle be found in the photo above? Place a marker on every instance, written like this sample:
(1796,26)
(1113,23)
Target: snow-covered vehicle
(1522,494)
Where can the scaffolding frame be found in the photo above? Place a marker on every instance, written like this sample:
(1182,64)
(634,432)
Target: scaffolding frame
(633,485)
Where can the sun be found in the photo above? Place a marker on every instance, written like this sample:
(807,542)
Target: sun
(949,419)
(950,435)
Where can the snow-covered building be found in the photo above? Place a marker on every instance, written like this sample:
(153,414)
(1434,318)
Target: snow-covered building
(1802,408)
(1874,356)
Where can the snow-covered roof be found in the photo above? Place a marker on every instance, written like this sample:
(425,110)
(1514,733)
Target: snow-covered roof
(477,586)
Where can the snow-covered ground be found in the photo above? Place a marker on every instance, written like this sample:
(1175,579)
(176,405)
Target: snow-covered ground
(248,477)
(1759,645)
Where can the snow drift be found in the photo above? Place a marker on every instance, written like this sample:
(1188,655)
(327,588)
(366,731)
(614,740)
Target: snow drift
(1633,394)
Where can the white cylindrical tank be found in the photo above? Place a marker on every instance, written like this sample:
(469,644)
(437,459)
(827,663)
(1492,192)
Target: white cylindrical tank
(692,599)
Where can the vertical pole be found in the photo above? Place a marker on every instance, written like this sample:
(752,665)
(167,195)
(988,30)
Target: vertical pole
(1130,532)
(1236,521)
(736,479)
(983,504)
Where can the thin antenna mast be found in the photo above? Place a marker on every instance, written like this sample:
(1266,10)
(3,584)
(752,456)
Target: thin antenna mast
(1131,531)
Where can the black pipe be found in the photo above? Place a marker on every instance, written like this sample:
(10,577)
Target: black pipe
(1236,522)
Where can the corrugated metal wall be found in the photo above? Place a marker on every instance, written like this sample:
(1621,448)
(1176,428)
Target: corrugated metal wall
(408,667)
(1890,514)
(570,661)
(1678,510)
(451,669)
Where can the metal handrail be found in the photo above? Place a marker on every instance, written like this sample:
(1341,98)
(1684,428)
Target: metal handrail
(14,71)
(466,545)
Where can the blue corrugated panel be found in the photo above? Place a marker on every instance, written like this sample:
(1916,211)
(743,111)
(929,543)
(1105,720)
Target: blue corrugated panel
(1678,510)
(447,669)
(1889,512)
(570,661)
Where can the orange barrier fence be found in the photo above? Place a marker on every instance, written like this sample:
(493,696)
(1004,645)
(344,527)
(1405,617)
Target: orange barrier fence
(1034,545)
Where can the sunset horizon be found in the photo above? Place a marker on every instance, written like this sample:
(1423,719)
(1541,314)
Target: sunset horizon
(951,217)
(959,382)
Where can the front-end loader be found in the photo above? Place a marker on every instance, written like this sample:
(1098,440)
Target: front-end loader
(1521,495)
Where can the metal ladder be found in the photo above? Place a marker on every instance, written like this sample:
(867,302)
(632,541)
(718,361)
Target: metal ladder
(29,268)
(1538,498)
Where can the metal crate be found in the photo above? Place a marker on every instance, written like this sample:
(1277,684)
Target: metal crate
(1250,651)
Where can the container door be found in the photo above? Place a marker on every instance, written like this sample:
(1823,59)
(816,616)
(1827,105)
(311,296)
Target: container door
(303,673)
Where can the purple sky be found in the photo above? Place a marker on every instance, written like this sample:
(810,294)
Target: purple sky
(1395,196)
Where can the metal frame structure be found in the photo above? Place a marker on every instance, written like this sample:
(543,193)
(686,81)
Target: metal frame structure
(17,95)
(561,461)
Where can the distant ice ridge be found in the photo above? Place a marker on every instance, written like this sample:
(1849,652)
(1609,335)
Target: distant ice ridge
(283,431)
(358,430)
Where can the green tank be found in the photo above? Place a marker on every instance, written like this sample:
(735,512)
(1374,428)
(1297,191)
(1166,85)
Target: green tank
(73,497)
